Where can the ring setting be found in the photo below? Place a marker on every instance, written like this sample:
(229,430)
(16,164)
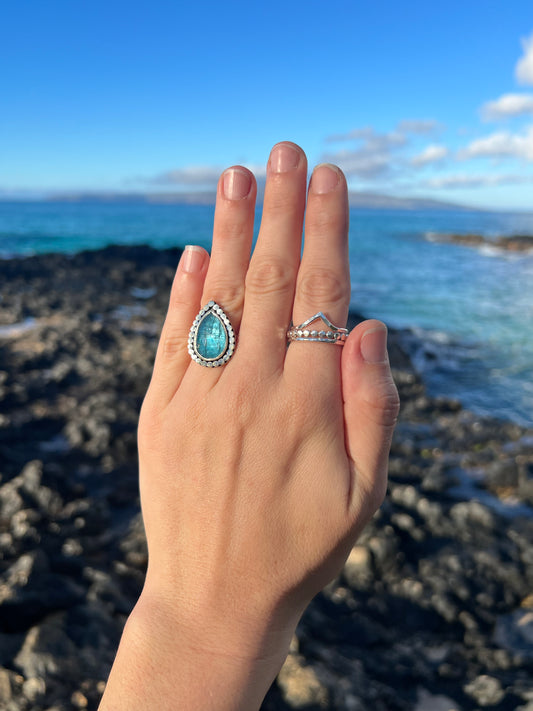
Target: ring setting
(331,334)
(211,338)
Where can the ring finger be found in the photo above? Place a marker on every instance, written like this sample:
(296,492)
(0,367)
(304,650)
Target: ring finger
(323,283)
(231,247)
(232,241)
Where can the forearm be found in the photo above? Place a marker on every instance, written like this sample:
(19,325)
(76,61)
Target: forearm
(161,666)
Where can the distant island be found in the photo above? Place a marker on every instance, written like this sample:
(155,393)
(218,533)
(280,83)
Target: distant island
(176,198)
(513,243)
(362,200)
(380,201)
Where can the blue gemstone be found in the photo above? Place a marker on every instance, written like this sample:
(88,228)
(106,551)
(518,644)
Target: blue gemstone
(211,337)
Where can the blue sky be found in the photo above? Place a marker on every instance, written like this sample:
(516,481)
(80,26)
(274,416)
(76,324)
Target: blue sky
(413,98)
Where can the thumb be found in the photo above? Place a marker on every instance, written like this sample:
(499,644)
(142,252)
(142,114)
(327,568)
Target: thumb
(371,406)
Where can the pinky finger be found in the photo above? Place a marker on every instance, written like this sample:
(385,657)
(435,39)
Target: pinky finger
(172,358)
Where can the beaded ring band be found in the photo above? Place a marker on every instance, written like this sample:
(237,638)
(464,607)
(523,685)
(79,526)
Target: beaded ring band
(333,334)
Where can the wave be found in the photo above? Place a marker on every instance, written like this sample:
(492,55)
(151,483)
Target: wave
(479,375)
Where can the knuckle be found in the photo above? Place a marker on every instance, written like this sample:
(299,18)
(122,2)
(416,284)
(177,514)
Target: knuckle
(269,276)
(323,221)
(228,294)
(384,407)
(178,301)
(233,223)
(241,404)
(173,343)
(278,199)
(323,285)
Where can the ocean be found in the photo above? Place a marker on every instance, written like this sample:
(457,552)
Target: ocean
(469,311)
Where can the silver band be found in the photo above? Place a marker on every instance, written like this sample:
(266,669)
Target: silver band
(333,334)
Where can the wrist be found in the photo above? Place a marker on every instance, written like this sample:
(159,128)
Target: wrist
(213,664)
(230,618)
(231,634)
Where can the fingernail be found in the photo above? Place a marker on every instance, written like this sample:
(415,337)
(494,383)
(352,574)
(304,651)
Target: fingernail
(325,178)
(283,158)
(237,184)
(192,259)
(374,345)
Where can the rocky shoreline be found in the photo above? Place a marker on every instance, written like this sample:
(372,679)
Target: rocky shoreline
(432,612)
(512,243)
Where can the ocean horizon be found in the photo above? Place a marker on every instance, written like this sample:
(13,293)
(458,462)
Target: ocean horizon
(470,310)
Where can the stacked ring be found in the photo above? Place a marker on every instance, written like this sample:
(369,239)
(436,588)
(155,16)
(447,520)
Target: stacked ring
(212,339)
(333,334)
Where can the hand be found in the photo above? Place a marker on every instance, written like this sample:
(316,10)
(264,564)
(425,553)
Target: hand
(257,476)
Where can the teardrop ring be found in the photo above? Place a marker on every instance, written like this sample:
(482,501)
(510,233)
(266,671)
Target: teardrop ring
(211,338)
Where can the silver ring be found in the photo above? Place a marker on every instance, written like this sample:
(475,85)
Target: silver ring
(211,338)
(333,334)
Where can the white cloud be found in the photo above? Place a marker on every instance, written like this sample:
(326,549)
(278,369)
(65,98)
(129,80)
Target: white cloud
(370,137)
(190,175)
(418,126)
(502,144)
(475,181)
(431,154)
(373,154)
(354,135)
(195,176)
(361,163)
(506,106)
(524,67)
(398,136)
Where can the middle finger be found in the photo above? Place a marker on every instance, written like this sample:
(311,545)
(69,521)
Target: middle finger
(271,277)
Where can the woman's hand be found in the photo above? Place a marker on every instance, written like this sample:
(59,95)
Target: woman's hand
(257,476)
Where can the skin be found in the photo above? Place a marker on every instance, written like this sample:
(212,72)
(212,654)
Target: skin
(256,477)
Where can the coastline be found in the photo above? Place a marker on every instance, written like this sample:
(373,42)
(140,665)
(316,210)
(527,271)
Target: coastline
(433,607)
(519,244)
(470,309)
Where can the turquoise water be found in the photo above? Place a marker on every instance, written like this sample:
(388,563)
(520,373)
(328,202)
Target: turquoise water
(472,308)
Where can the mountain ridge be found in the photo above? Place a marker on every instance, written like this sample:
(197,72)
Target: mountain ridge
(363,200)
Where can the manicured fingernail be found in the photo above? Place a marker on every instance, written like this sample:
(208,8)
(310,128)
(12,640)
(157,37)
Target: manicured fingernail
(374,345)
(325,178)
(283,158)
(237,184)
(192,259)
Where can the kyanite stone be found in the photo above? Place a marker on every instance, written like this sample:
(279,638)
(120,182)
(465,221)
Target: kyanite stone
(211,337)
